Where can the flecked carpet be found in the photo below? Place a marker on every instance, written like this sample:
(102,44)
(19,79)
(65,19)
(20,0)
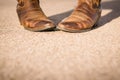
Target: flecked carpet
(57,55)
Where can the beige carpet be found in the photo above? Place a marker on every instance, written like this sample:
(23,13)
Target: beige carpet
(57,55)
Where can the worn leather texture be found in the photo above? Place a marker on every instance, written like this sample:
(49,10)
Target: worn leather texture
(32,17)
(84,16)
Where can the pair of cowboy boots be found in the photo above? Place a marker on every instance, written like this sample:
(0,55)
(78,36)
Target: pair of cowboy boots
(84,16)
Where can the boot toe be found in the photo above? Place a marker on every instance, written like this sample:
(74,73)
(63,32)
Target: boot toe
(72,26)
(39,25)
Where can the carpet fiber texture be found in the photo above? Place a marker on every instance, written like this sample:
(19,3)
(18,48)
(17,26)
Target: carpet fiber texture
(57,55)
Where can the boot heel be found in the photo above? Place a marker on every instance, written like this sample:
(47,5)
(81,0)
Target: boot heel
(19,20)
(19,17)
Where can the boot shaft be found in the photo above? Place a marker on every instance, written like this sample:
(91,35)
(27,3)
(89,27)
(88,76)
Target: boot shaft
(91,3)
(25,6)
(28,3)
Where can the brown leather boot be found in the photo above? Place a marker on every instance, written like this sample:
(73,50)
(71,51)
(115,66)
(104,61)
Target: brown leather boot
(32,17)
(84,16)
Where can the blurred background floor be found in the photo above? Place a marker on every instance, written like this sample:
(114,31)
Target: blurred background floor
(57,55)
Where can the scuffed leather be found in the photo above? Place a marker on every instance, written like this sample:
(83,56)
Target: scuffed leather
(32,17)
(84,16)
